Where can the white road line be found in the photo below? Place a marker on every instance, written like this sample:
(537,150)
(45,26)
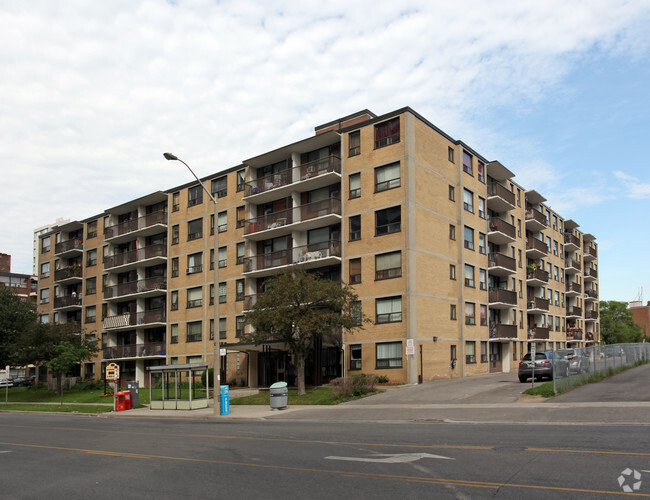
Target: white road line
(390,459)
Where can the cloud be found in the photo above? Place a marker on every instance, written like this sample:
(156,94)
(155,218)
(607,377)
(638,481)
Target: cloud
(635,189)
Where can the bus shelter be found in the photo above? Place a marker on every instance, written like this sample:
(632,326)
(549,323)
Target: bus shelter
(179,387)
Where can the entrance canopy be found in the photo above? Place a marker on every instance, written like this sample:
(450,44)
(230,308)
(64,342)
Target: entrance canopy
(179,387)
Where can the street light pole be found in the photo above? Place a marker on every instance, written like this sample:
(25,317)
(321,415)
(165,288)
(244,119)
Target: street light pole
(217,350)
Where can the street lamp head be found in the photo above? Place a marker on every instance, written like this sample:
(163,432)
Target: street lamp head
(169,156)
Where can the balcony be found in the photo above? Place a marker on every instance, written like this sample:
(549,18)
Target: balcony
(500,232)
(573,289)
(67,301)
(69,248)
(313,255)
(250,301)
(129,320)
(130,260)
(535,249)
(301,218)
(502,299)
(574,311)
(500,264)
(590,253)
(69,274)
(591,315)
(134,351)
(574,334)
(537,304)
(148,225)
(535,220)
(590,274)
(145,287)
(503,331)
(591,295)
(536,277)
(499,198)
(538,333)
(306,177)
(571,242)
(572,266)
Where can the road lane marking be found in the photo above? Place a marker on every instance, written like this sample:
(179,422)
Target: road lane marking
(360,475)
(590,452)
(395,458)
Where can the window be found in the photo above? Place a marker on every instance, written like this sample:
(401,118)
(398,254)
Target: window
(355,357)
(555,247)
(555,222)
(484,356)
(470,318)
(194,196)
(45,296)
(452,232)
(174,267)
(481,243)
(91,286)
(470,352)
(222,293)
(194,297)
(175,233)
(514,351)
(220,187)
(388,221)
(223,257)
(452,193)
(354,143)
(45,270)
(556,273)
(480,169)
(452,272)
(194,330)
(468,200)
(241,248)
(387,177)
(387,133)
(356,312)
(557,298)
(482,278)
(469,275)
(211,259)
(104,311)
(241,216)
(174,300)
(389,310)
(452,312)
(44,319)
(91,314)
(483,309)
(388,265)
(469,238)
(355,185)
(104,281)
(355,271)
(481,207)
(222,222)
(467,163)
(241,180)
(91,257)
(45,244)
(389,355)
(194,263)
(173,334)
(194,229)
(452,352)
(176,201)
(355,228)
(240,290)
(211,224)
(222,328)
(91,229)
(450,154)
(239,326)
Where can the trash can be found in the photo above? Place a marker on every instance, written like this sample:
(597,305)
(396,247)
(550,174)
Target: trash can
(279,395)
(134,389)
(119,402)
(224,400)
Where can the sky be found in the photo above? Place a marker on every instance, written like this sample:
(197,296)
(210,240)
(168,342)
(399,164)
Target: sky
(92,94)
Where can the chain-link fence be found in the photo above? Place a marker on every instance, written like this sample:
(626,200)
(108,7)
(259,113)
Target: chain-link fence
(577,365)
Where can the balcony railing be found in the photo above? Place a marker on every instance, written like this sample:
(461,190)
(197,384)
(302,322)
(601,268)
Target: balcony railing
(145,285)
(502,296)
(289,176)
(64,246)
(134,350)
(591,273)
(499,225)
(538,332)
(296,255)
(591,252)
(574,334)
(250,301)
(592,294)
(537,274)
(573,263)
(536,215)
(129,226)
(535,244)
(571,239)
(503,331)
(135,319)
(291,215)
(574,311)
(537,303)
(496,259)
(593,314)
(132,256)
(74,271)
(67,300)
(573,287)
(496,189)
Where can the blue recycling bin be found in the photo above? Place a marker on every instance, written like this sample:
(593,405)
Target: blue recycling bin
(224,400)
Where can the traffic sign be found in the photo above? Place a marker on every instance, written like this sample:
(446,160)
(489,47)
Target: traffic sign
(112,371)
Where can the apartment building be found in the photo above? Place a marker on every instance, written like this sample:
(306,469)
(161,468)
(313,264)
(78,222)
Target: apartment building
(459,267)
(23,285)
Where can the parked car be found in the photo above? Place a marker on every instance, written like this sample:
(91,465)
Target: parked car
(22,381)
(578,359)
(544,366)
(6,382)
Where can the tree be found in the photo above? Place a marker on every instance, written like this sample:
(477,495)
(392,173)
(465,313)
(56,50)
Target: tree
(297,308)
(616,323)
(17,316)
(67,355)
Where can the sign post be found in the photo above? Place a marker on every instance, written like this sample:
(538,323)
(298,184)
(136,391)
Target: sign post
(113,373)
(532,358)
(4,377)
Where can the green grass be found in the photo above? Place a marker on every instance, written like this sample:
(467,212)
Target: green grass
(40,394)
(56,408)
(318,396)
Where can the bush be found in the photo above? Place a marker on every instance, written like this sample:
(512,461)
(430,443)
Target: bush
(354,386)
(382,379)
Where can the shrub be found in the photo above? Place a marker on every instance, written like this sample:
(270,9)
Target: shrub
(354,386)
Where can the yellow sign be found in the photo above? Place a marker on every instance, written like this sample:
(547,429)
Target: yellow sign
(112,371)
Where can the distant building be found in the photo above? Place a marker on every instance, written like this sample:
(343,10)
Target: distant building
(37,233)
(641,316)
(24,285)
